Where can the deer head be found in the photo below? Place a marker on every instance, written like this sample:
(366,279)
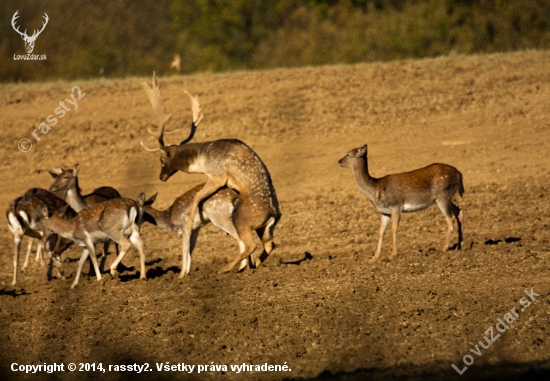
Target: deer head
(29,40)
(64,178)
(166,152)
(353,157)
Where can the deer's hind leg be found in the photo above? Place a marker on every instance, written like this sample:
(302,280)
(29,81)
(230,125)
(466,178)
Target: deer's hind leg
(266,236)
(246,248)
(138,243)
(124,245)
(29,249)
(17,241)
(451,211)
(395,218)
(458,215)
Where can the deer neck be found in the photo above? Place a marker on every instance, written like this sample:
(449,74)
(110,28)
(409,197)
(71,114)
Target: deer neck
(160,218)
(60,226)
(62,194)
(365,182)
(75,199)
(189,158)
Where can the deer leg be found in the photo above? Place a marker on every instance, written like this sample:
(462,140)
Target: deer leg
(17,241)
(446,208)
(458,215)
(40,248)
(138,243)
(211,187)
(266,236)
(124,245)
(93,257)
(192,243)
(246,246)
(83,258)
(29,249)
(395,217)
(383,226)
(186,258)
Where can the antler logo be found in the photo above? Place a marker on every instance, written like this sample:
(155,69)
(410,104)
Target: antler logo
(29,40)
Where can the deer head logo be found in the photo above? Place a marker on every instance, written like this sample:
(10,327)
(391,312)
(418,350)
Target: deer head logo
(29,40)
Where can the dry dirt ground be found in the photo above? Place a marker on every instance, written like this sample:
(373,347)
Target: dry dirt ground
(316,304)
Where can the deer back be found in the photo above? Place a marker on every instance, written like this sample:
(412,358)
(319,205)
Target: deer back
(421,185)
(231,158)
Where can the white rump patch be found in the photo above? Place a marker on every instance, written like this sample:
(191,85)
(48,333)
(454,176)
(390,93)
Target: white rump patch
(15,226)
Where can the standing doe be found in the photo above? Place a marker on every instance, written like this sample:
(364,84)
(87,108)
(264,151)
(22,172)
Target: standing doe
(117,220)
(408,192)
(226,162)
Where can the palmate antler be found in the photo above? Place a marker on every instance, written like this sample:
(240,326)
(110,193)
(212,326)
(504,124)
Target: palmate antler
(153,93)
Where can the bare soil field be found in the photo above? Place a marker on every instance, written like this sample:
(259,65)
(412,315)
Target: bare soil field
(316,304)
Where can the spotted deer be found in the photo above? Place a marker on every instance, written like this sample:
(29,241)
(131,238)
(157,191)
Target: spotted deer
(66,186)
(116,220)
(24,216)
(217,209)
(39,252)
(408,192)
(227,163)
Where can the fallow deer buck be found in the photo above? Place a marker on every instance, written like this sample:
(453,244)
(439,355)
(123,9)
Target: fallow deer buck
(217,209)
(116,220)
(24,216)
(226,162)
(408,192)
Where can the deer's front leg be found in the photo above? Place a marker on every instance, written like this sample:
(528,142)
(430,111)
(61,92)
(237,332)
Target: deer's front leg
(395,217)
(212,186)
(383,226)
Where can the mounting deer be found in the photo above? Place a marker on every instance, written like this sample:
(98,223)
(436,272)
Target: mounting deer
(217,209)
(24,216)
(408,192)
(116,220)
(226,162)
(29,40)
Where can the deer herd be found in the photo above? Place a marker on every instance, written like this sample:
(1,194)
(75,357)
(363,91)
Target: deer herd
(238,197)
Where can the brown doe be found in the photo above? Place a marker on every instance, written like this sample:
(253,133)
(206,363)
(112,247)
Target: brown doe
(217,209)
(66,185)
(408,192)
(115,220)
(227,163)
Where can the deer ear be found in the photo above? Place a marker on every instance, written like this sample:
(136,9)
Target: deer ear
(362,151)
(57,171)
(63,210)
(52,174)
(45,212)
(76,168)
(151,199)
(141,199)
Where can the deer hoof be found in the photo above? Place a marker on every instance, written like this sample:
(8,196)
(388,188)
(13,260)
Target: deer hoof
(114,273)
